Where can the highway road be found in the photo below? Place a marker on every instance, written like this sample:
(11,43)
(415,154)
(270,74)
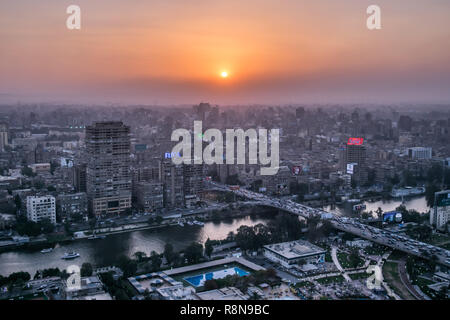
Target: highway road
(349,225)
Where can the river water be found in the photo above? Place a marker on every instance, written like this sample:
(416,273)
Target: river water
(104,252)
(417,203)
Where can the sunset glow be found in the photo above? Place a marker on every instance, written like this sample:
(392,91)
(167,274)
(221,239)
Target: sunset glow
(170,51)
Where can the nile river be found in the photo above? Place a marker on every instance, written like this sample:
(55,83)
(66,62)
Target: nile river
(104,252)
(418,203)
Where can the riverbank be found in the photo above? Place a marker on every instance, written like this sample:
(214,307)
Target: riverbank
(55,239)
(104,252)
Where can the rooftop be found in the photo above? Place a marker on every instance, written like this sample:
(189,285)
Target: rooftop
(228,293)
(294,249)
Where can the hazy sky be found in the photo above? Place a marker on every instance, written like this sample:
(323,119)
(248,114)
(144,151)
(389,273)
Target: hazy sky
(275,51)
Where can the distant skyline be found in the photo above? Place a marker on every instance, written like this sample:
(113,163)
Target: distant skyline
(177,51)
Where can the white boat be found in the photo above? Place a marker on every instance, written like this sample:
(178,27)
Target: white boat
(359,207)
(190,223)
(199,223)
(47,250)
(181,224)
(96,237)
(407,191)
(70,255)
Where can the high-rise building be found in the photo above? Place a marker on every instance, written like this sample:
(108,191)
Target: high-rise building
(171,176)
(70,205)
(193,179)
(108,174)
(79,177)
(149,195)
(353,161)
(440,214)
(420,153)
(40,208)
(3,136)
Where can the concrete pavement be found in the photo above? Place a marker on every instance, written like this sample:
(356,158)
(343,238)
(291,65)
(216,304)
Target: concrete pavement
(338,265)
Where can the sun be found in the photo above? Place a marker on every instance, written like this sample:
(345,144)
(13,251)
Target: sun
(224,74)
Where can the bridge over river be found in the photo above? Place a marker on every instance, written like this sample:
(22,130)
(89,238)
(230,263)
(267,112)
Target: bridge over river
(350,225)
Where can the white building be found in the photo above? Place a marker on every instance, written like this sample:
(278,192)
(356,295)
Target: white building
(440,214)
(39,208)
(359,243)
(420,153)
(295,252)
(228,293)
(3,136)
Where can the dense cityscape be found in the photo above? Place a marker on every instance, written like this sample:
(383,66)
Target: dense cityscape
(93,206)
(224,159)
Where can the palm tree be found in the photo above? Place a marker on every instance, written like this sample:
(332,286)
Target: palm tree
(140,256)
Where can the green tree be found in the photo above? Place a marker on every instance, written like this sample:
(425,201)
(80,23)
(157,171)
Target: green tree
(210,285)
(155,260)
(208,248)
(18,277)
(121,295)
(27,171)
(395,179)
(86,269)
(430,190)
(408,178)
(128,266)
(140,256)
(46,225)
(169,253)
(246,238)
(18,202)
(193,252)
(353,258)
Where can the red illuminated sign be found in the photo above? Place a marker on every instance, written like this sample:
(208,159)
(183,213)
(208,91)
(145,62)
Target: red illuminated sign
(355,141)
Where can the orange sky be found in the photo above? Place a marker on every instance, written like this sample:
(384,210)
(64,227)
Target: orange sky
(274,51)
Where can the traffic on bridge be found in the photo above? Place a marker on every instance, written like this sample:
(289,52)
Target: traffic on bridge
(346,224)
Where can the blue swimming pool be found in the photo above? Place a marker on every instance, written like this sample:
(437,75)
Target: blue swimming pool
(199,280)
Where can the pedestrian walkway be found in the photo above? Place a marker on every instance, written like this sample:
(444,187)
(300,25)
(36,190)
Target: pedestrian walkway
(338,265)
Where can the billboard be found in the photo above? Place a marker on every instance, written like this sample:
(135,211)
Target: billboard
(355,141)
(140,147)
(351,167)
(392,216)
(66,162)
(169,155)
(296,170)
(443,199)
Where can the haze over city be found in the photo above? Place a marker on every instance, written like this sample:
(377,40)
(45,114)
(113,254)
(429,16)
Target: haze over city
(174,52)
(247,151)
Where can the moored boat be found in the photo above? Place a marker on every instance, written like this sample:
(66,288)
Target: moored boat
(70,255)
